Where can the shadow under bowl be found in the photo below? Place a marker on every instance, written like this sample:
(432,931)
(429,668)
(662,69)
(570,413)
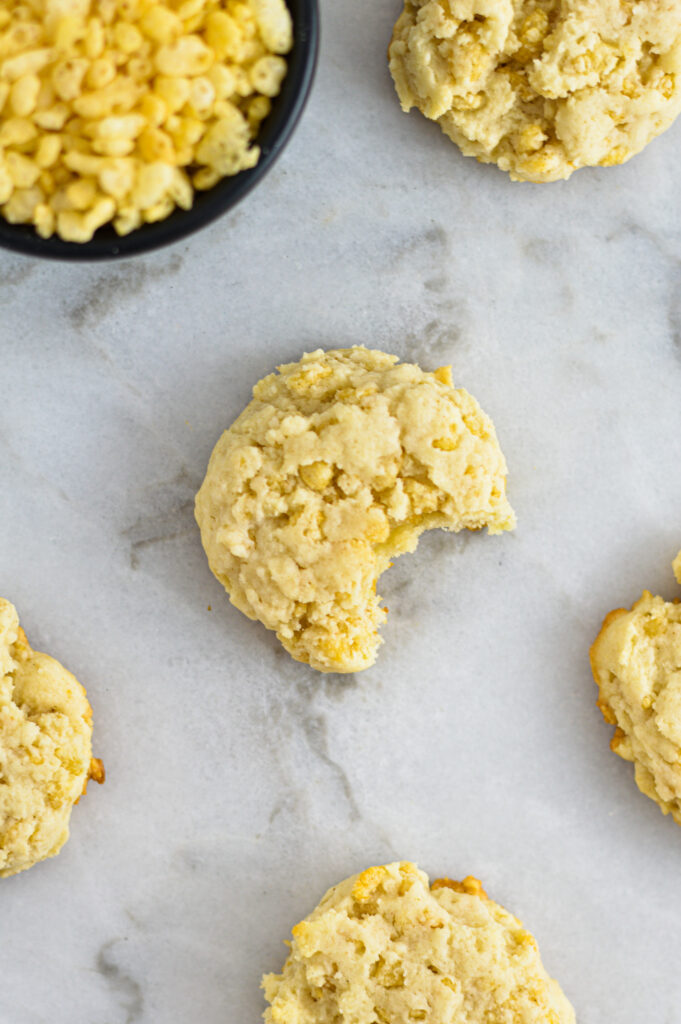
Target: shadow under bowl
(275,132)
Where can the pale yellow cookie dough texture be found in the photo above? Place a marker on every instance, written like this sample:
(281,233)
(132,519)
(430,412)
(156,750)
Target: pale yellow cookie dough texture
(541,87)
(337,466)
(636,662)
(385,947)
(45,749)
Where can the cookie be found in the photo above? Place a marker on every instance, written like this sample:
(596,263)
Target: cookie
(383,946)
(636,663)
(337,466)
(45,749)
(541,87)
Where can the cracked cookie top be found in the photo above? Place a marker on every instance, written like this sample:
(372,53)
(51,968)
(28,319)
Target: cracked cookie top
(45,749)
(636,663)
(336,466)
(541,87)
(384,946)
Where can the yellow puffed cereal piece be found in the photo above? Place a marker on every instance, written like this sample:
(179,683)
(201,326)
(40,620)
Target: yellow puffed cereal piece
(16,131)
(127,220)
(155,145)
(23,172)
(153,110)
(221,148)
(21,206)
(224,35)
(24,95)
(100,73)
(115,112)
(267,74)
(189,55)
(6,183)
(45,220)
(274,25)
(117,178)
(81,194)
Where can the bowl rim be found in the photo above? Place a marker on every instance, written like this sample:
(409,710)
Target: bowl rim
(224,196)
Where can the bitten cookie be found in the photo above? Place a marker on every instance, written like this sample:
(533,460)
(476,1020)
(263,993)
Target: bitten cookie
(337,466)
(541,87)
(636,663)
(45,749)
(383,946)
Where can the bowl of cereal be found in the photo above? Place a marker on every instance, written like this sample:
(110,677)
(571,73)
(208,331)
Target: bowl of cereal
(127,124)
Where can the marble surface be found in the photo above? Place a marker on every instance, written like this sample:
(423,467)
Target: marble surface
(240,784)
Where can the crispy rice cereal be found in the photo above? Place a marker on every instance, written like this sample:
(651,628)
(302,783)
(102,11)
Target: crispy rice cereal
(117,110)
(542,87)
(636,663)
(383,946)
(45,749)
(337,466)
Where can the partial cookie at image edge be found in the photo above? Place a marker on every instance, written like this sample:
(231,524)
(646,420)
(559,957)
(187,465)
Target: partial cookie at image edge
(384,945)
(541,87)
(45,749)
(636,664)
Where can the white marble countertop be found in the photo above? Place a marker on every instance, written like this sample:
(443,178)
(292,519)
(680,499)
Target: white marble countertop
(241,784)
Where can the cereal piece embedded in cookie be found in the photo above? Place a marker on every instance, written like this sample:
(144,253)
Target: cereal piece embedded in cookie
(45,749)
(384,946)
(541,87)
(337,466)
(636,663)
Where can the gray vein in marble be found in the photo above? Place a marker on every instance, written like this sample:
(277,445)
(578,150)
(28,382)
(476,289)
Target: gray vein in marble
(149,531)
(126,989)
(287,805)
(336,687)
(657,240)
(434,343)
(16,273)
(433,238)
(436,284)
(10,453)
(674,312)
(112,288)
(172,516)
(315,730)
(298,716)
(673,258)
(299,713)
(545,251)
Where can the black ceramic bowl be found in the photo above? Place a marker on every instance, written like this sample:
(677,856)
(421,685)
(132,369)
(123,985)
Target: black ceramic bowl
(274,133)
